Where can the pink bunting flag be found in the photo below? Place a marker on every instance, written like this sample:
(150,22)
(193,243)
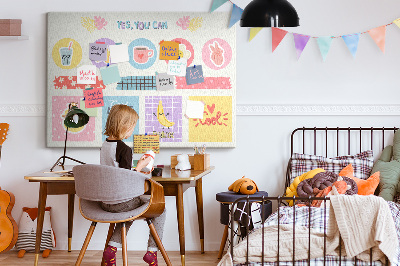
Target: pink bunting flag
(378,35)
(300,42)
(277,36)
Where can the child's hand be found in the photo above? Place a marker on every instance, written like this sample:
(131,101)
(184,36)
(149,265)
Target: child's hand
(143,161)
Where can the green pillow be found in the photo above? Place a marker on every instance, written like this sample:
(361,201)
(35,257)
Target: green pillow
(389,169)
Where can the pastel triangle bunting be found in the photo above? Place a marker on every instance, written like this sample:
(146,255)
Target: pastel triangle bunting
(254,32)
(324,44)
(277,36)
(235,15)
(217,3)
(379,35)
(352,42)
(300,42)
(397,22)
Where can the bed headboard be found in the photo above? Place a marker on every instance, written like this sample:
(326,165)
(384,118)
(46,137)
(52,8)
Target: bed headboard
(331,142)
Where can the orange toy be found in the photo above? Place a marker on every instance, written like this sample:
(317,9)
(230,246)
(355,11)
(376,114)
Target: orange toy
(244,186)
(365,187)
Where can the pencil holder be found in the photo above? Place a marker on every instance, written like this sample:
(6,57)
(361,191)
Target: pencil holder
(201,161)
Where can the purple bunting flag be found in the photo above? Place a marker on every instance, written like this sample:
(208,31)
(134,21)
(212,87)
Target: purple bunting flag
(300,42)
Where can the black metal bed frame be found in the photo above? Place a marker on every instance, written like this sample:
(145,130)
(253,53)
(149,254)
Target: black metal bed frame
(315,133)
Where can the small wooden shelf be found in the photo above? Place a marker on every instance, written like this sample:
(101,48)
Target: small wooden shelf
(18,38)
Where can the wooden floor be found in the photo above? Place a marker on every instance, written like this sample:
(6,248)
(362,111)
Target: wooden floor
(93,258)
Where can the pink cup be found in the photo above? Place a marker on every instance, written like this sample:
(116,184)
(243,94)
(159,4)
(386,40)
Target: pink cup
(141,54)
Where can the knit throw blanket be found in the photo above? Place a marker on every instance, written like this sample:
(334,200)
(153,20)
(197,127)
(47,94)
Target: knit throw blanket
(364,222)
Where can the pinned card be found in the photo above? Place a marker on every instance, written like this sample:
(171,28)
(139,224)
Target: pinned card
(169,50)
(194,109)
(93,97)
(89,111)
(98,51)
(86,75)
(119,53)
(177,67)
(165,82)
(194,75)
(110,74)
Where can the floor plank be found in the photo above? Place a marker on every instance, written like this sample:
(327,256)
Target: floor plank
(93,258)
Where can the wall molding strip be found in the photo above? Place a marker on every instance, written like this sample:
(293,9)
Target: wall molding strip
(245,110)
(22,109)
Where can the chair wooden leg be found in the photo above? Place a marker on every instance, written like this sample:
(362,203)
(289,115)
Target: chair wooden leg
(124,248)
(160,246)
(223,242)
(110,232)
(86,243)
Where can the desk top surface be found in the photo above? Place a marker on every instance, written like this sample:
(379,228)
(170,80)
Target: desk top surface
(168,175)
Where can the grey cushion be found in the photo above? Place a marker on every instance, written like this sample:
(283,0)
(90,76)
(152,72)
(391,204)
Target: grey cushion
(93,211)
(107,183)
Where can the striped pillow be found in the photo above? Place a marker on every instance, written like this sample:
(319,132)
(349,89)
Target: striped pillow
(362,164)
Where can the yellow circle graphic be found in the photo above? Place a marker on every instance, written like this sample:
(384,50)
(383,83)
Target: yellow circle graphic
(67,53)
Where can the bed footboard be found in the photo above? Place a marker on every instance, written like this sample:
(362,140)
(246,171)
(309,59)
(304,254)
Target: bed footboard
(279,200)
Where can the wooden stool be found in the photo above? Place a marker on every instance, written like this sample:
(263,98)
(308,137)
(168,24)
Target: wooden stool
(226,199)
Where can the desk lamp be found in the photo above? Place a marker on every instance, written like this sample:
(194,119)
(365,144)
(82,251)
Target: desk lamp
(75,118)
(269,13)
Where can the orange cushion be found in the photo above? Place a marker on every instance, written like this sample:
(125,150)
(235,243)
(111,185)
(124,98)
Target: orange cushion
(365,187)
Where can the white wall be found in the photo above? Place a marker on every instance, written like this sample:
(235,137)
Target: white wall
(262,78)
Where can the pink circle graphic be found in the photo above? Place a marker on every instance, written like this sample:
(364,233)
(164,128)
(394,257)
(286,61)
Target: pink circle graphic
(217,53)
(188,50)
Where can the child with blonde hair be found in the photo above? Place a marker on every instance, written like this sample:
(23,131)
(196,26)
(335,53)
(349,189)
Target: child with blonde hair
(121,122)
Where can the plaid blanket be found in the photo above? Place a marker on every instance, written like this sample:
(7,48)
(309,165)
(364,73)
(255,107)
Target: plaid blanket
(317,222)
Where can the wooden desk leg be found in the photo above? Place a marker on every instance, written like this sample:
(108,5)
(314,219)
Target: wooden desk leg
(71,201)
(199,201)
(40,219)
(181,225)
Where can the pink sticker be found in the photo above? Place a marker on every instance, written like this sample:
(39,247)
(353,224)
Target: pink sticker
(217,53)
(93,98)
(59,110)
(210,83)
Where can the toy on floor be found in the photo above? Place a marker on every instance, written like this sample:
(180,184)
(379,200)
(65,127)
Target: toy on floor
(244,186)
(27,232)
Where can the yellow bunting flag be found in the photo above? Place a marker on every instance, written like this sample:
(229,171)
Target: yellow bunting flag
(378,35)
(254,32)
(397,22)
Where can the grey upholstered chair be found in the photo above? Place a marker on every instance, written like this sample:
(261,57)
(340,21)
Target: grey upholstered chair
(97,183)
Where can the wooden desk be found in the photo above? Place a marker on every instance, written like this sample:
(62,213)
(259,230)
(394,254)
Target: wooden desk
(175,183)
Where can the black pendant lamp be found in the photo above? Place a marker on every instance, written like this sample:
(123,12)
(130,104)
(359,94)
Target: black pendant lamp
(269,13)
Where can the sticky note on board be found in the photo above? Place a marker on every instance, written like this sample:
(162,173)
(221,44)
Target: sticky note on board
(194,75)
(93,97)
(194,109)
(86,74)
(165,82)
(110,74)
(118,53)
(89,111)
(98,51)
(177,67)
(143,143)
(169,50)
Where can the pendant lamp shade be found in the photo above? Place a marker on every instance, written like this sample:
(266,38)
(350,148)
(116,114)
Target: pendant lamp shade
(269,13)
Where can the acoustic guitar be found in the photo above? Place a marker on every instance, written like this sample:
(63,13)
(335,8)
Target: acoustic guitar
(3,135)
(8,226)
